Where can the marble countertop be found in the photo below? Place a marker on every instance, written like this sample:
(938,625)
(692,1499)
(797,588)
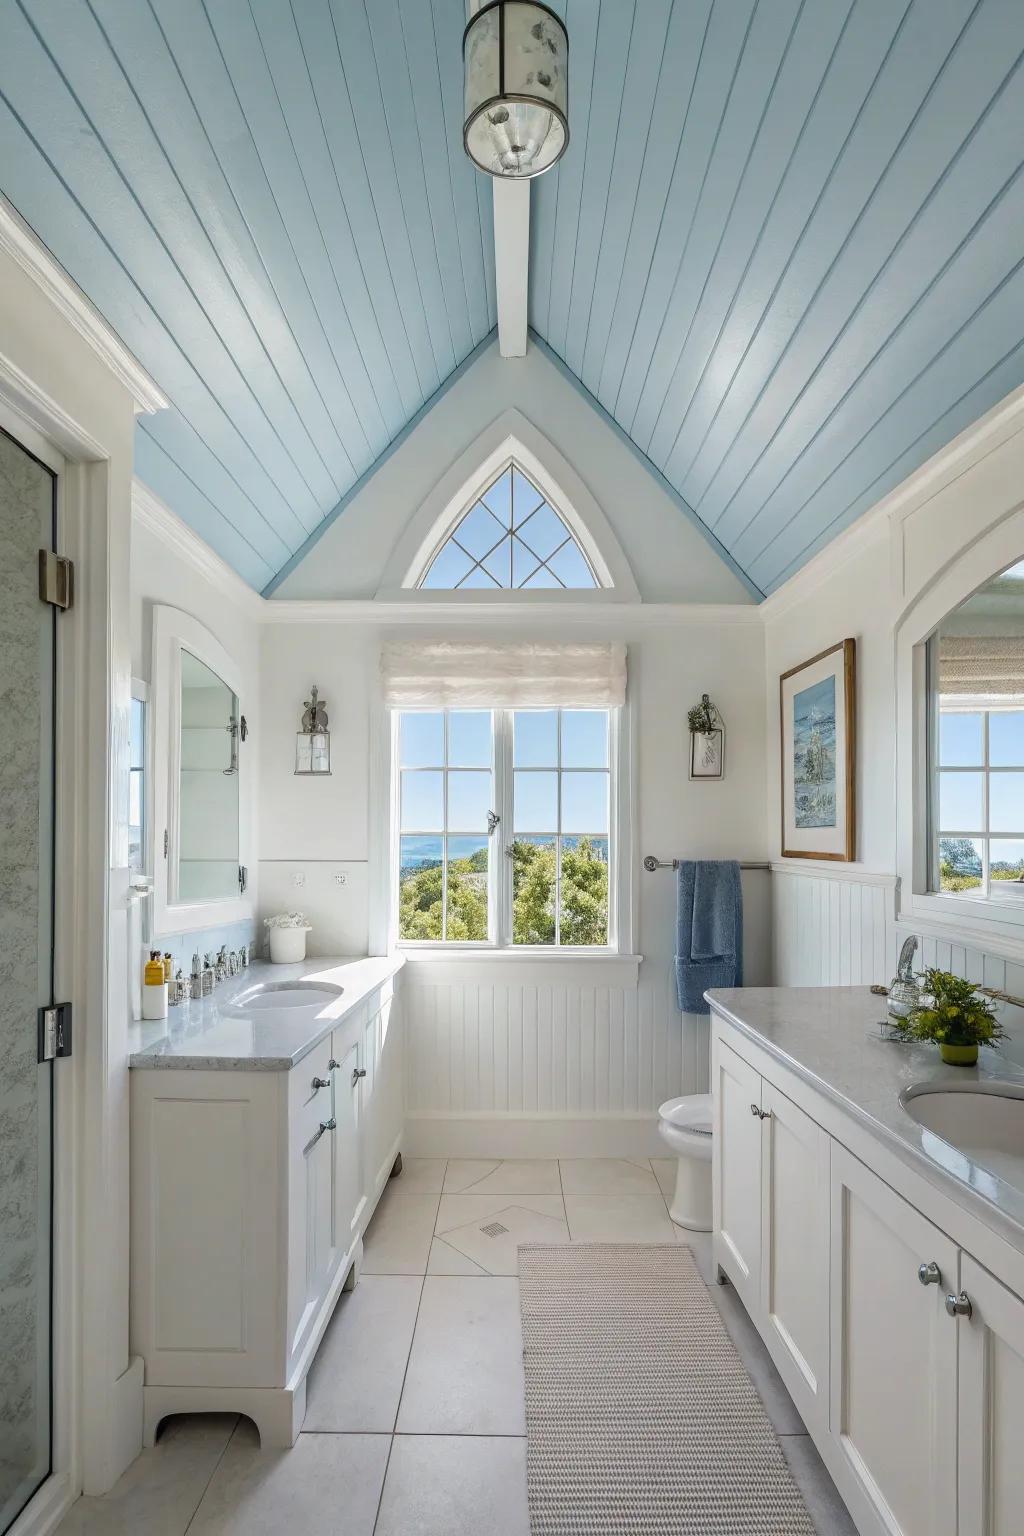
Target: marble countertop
(211,1035)
(829,1037)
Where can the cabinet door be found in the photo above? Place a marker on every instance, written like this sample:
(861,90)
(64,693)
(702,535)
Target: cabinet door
(348,1172)
(893,1355)
(318,1169)
(384,1106)
(795,1246)
(991,1349)
(737,1172)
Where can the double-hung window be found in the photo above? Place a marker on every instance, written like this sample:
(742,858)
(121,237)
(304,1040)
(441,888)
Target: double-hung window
(505,824)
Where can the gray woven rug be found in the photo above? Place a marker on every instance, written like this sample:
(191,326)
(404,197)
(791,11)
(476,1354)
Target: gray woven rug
(640,1418)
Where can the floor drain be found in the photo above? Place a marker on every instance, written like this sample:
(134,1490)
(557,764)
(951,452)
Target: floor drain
(494,1229)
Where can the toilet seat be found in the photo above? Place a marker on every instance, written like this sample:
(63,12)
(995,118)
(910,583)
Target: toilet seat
(684,1125)
(690,1113)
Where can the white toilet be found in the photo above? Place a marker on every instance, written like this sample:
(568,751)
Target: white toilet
(685,1127)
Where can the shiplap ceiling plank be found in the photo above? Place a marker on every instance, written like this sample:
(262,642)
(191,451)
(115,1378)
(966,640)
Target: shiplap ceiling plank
(782,251)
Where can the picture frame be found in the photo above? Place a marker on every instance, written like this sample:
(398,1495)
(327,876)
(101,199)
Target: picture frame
(707,754)
(817,734)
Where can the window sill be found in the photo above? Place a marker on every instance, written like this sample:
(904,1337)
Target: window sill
(574,967)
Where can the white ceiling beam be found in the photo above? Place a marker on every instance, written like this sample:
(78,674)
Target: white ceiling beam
(511,252)
(511,262)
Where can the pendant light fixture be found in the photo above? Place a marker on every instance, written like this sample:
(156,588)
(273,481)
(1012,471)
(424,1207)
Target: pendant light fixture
(516,60)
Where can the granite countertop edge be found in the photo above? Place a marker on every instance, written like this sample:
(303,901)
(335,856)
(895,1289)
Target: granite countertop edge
(203,1038)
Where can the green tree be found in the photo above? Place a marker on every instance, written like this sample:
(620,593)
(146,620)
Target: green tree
(584,895)
(584,916)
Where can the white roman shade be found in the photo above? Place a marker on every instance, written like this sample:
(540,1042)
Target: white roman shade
(981,664)
(456,674)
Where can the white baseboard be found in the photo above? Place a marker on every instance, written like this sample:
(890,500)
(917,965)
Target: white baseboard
(532,1136)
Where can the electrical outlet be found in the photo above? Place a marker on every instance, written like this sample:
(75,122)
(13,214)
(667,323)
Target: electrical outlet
(341,879)
(298,878)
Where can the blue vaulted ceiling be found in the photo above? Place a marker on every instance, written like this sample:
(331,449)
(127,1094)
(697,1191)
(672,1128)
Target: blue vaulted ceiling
(783,250)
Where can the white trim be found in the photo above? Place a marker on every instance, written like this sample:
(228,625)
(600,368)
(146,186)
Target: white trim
(847,875)
(981,921)
(155,516)
(564,968)
(438,608)
(511,451)
(173,632)
(492,1136)
(42,416)
(19,242)
(511,200)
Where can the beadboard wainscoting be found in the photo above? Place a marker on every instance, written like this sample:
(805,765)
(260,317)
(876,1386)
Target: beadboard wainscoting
(539,1067)
(831,930)
(839,930)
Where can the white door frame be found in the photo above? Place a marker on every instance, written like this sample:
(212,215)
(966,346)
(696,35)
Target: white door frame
(82,1122)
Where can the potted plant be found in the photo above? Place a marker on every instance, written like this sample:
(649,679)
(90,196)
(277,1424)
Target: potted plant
(287,931)
(951,1013)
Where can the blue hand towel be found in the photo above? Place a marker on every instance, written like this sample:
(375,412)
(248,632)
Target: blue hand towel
(709,930)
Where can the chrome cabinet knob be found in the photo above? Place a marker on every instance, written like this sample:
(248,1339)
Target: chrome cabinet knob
(959,1306)
(929,1274)
(358,1073)
(332,1065)
(321,1082)
(762,1114)
(328,1125)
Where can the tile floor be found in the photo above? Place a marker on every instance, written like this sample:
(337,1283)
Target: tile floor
(415,1418)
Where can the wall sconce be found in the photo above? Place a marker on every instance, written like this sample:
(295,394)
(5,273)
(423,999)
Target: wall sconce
(313,742)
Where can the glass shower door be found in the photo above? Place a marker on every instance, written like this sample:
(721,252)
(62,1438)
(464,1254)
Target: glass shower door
(27,652)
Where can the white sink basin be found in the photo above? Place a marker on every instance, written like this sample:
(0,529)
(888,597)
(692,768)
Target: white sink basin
(983,1121)
(277,996)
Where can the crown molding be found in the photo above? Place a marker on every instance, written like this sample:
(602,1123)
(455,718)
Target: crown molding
(613,616)
(19,242)
(151,513)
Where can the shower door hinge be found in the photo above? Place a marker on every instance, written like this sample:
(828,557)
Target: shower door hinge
(54,1031)
(56,579)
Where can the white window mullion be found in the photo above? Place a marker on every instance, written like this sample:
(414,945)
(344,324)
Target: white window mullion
(558,829)
(501,875)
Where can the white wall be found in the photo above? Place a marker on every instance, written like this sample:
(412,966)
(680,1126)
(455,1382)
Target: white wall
(671,559)
(529,1043)
(843,924)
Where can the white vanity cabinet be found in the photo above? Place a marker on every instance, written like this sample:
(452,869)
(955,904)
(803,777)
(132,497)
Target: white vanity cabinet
(251,1187)
(771,1218)
(902,1351)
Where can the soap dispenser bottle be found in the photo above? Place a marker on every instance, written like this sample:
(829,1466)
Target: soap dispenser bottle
(222,964)
(208,976)
(154,988)
(196,986)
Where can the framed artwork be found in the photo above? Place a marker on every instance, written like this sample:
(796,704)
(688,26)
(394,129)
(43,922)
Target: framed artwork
(817,702)
(707,754)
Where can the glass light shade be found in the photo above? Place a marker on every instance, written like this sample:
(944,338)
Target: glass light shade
(516,57)
(313,752)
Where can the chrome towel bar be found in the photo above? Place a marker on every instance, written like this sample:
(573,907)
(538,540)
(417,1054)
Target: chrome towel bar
(651,864)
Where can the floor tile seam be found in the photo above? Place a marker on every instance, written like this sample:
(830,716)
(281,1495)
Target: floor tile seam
(401,1392)
(213,1474)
